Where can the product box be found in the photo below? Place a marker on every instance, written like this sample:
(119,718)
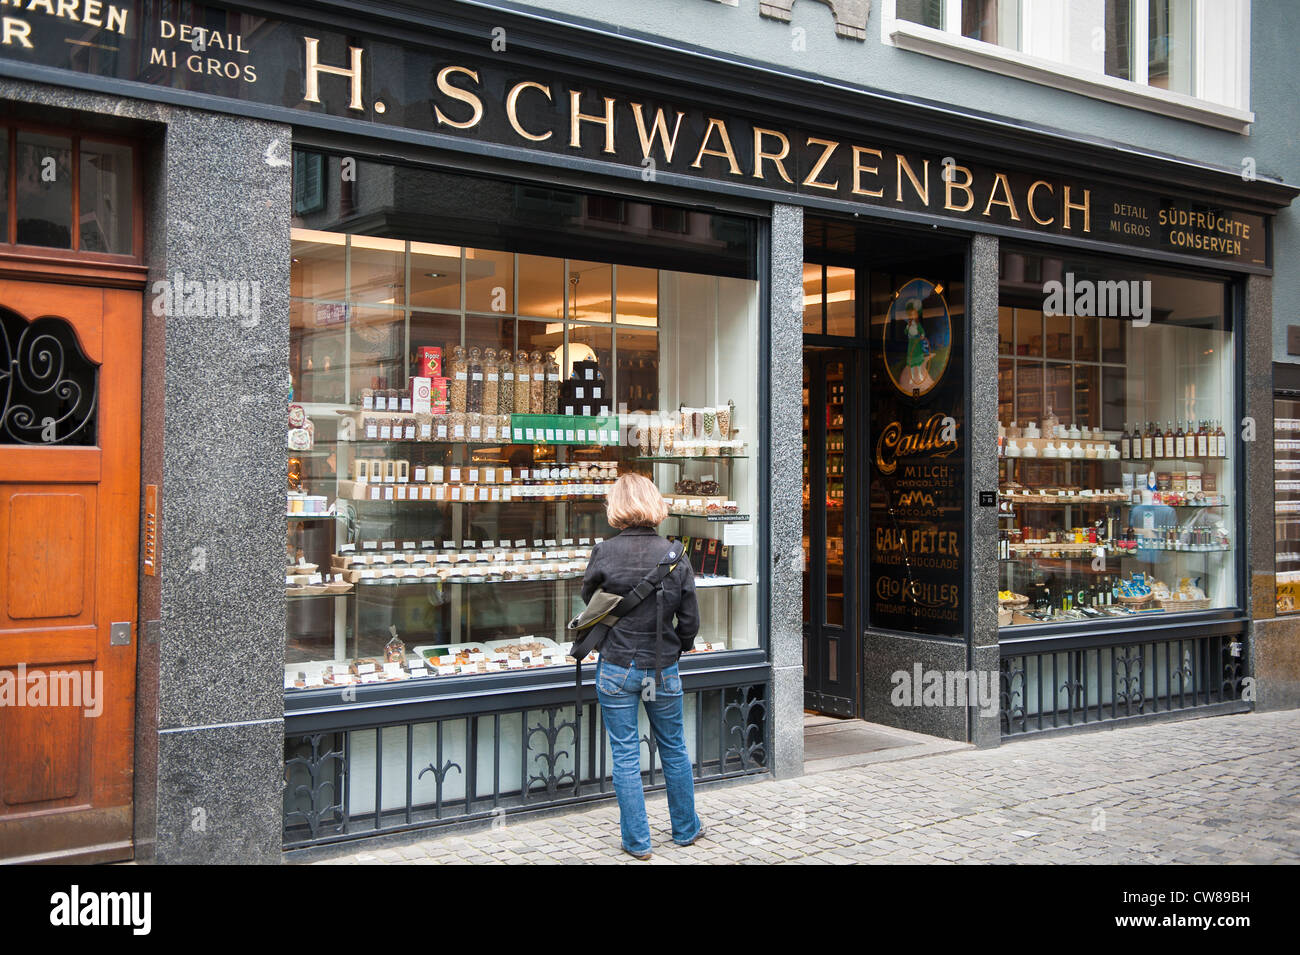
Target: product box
(724,560)
(1193,481)
(428,361)
(698,549)
(1210,482)
(1163,481)
(421,394)
(711,556)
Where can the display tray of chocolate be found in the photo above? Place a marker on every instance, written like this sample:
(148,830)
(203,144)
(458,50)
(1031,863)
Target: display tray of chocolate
(686,486)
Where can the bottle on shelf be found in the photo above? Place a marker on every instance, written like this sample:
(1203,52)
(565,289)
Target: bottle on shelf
(1202,441)
(1147,449)
(1125,445)
(1223,441)
(1158,444)
(1180,443)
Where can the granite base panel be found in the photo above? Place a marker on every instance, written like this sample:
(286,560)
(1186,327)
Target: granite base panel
(885,654)
(1275,645)
(787,726)
(220,795)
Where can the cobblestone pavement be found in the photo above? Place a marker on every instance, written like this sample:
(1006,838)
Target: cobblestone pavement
(1217,790)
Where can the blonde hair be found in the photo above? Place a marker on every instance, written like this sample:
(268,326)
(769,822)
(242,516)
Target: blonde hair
(634,501)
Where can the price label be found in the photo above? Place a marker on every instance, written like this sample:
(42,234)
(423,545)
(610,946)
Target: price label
(446,669)
(550,434)
(314,679)
(441,431)
(569,435)
(477,376)
(529,434)
(515,664)
(420,475)
(388,493)
(347,548)
(363,668)
(385,432)
(426,431)
(519,434)
(473,475)
(475,432)
(372,431)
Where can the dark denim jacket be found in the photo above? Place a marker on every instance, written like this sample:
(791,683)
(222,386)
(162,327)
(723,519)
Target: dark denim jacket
(617,565)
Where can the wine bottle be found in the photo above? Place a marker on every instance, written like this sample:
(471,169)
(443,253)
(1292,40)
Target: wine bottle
(1202,441)
(1158,443)
(1146,443)
(1180,443)
(1125,444)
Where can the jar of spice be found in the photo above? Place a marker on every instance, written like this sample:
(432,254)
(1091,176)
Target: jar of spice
(491,381)
(537,384)
(523,383)
(552,390)
(458,386)
(474,400)
(506,386)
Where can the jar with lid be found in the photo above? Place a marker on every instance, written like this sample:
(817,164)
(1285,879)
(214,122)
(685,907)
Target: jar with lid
(523,383)
(506,386)
(458,386)
(552,390)
(537,389)
(474,398)
(491,381)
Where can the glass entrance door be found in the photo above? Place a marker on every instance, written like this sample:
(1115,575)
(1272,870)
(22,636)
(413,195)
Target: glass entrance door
(830,414)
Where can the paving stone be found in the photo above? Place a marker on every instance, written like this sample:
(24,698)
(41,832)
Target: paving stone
(1222,790)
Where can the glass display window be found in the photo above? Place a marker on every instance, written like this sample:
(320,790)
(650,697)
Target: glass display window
(1286,501)
(1116,460)
(460,410)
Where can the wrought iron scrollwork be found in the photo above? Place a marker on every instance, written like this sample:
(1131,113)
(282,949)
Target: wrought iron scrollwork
(1011,699)
(1128,678)
(750,746)
(48,387)
(549,778)
(440,774)
(318,772)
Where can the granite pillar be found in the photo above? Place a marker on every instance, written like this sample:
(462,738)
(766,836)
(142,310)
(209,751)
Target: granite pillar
(785,437)
(982,447)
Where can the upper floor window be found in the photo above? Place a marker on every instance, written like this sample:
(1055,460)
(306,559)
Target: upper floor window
(1187,58)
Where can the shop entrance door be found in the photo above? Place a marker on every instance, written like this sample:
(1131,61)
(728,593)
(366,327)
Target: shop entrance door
(831,421)
(69,510)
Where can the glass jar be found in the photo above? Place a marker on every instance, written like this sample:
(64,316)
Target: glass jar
(523,383)
(537,383)
(458,385)
(552,390)
(506,386)
(474,395)
(491,381)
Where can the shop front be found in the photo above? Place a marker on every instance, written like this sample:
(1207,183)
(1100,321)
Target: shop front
(419,291)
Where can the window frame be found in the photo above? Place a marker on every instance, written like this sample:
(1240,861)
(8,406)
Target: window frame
(8,245)
(949,44)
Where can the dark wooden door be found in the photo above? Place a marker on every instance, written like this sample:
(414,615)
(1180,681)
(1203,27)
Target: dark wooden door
(831,422)
(69,517)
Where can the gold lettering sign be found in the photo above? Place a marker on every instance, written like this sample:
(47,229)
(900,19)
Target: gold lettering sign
(926,441)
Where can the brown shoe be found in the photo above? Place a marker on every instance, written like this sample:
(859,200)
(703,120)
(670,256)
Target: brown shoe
(698,836)
(640,857)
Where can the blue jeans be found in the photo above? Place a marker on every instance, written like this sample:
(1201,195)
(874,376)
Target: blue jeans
(619,689)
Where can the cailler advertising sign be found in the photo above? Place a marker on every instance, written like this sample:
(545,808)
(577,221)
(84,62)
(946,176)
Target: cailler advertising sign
(476,92)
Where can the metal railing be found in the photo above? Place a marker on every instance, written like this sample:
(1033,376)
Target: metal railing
(354,782)
(1050,685)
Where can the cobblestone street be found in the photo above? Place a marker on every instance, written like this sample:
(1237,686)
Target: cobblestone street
(1217,791)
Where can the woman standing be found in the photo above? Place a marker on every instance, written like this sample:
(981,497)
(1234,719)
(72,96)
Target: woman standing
(638,660)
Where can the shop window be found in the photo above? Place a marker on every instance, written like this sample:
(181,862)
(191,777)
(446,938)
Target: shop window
(1118,496)
(461,532)
(1286,501)
(829,300)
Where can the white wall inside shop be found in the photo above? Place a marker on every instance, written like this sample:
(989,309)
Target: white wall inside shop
(708,333)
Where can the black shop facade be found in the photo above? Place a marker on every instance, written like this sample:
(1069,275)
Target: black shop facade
(466,278)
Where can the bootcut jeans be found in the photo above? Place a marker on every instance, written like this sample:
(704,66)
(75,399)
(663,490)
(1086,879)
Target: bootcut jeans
(619,690)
